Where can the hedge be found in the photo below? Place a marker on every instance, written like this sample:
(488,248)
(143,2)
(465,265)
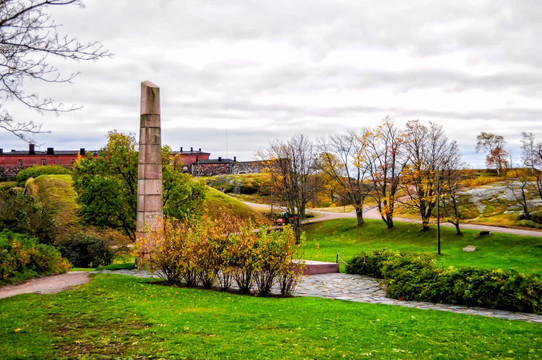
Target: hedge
(416,277)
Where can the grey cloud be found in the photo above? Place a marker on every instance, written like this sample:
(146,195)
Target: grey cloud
(199,103)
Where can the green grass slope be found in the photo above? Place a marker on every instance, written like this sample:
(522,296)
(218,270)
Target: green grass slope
(119,317)
(496,251)
(217,203)
(56,193)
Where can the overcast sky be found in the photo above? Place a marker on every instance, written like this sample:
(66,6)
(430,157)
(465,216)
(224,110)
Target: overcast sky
(236,74)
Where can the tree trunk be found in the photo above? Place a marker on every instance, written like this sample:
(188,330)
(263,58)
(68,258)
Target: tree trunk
(425,225)
(389,222)
(524,203)
(426,217)
(457,229)
(359,216)
(457,215)
(297,229)
(456,223)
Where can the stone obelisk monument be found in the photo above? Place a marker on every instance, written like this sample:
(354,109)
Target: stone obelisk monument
(149,182)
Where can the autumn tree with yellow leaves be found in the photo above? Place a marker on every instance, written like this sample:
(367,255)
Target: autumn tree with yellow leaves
(386,161)
(343,164)
(426,149)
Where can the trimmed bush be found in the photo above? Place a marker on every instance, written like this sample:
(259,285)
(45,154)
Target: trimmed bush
(23,258)
(35,171)
(211,252)
(87,251)
(22,214)
(415,276)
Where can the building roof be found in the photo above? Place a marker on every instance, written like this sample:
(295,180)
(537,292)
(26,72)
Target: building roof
(37,152)
(215,161)
(190,153)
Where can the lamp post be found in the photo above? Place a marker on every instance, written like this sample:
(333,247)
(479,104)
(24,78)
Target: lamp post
(438,212)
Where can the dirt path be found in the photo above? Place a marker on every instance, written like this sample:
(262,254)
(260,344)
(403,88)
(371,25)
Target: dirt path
(47,285)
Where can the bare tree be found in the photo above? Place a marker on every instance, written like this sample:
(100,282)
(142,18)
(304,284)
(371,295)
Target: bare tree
(450,184)
(386,160)
(28,40)
(342,160)
(532,158)
(291,165)
(426,147)
(519,184)
(497,156)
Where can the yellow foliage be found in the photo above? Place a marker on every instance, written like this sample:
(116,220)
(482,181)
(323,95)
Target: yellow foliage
(479,181)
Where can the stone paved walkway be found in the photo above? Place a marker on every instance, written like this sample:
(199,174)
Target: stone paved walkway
(368,290)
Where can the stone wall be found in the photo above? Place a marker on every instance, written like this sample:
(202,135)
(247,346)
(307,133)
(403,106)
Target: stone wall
(246,167)
(211,169)
(10,171)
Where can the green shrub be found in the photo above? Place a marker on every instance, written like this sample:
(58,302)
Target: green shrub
(87,251)
(380,263)
(531,224)
(35,171)
(536,216)
(414,276)
(22,258)
(22,214)
(488,288)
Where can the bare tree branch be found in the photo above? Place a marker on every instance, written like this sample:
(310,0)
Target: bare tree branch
(343,161)
(28,40)
(291,166)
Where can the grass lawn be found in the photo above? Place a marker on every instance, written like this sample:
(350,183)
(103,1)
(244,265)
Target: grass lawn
(216,203)
(497,250)
(123,317)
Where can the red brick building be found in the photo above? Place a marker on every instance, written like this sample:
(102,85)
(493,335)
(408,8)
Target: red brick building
(15,160)
(33,157)
(190,157)
(196,162)
(11,162)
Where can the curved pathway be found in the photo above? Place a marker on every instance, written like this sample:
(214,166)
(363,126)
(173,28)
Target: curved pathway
(371,212)
(46,285)
(364,289)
